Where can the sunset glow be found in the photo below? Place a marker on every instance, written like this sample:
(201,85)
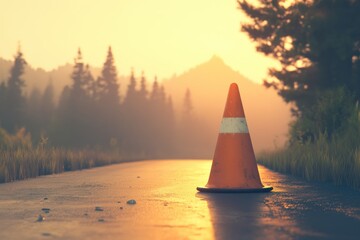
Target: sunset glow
(160,37)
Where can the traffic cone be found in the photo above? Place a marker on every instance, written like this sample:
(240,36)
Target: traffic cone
(234,167)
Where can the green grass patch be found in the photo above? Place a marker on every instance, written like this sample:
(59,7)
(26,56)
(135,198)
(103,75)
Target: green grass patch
(332,153)
(336,160)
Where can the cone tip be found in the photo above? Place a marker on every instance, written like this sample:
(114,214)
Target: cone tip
(233,85)
(233,107)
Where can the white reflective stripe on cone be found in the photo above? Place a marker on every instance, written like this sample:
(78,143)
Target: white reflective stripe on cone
(234,125)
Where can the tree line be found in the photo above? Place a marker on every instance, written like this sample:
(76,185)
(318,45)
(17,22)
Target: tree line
(91,113)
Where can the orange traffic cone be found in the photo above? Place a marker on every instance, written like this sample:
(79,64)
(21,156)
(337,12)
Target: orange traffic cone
(234,167)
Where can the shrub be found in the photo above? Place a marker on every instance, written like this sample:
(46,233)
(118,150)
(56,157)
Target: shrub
(334,158)
(328,116)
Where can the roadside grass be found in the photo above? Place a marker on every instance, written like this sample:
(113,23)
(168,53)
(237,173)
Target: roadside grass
(336,160)
(19,159)
(23,163)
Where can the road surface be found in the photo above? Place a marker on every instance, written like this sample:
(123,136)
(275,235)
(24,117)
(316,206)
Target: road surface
(92,204)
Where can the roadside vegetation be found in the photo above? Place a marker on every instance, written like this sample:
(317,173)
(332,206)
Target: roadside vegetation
(19,159)
(317,46)
(88,125)
(336,161)
(327,151)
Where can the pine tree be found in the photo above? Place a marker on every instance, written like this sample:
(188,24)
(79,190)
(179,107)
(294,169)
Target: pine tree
(132,115)
(143,112)
(59,134)
(79,84)
(33,113)
(160,121)
(143,88)
(162,95)
(108,102)
(2,102)
(154,95)
(317,45)
(14,100)
(153,118)
(107,83)
(315,41)
(188,106)
(190,129)
(170,126)
(47,107)
(131,93)
(47,99)
(76,108)
(90,84)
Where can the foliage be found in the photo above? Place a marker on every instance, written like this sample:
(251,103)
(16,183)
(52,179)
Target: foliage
(317,43)
(188,106)
(76,114)
(13,105)
(149,118)
(107,85)
(22,163)
(327,116)
(19,159)
(20,140)
(335,160)
(91,115)
(40,110)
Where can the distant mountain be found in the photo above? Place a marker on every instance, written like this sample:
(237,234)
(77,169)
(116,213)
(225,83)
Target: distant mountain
(266,113)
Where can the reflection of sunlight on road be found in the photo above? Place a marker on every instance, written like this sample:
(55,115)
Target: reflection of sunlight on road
(169,207)
(176,210)
(250,215)
(166,204)
(182,211)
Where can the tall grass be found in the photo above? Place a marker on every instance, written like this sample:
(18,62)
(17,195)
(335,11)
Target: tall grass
(20,160)
(335,160)
(17,164)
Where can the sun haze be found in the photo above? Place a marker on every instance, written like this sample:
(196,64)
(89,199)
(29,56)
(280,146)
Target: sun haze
(160,37)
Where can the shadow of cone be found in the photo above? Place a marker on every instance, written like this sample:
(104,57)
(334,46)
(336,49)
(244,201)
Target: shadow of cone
(234,167)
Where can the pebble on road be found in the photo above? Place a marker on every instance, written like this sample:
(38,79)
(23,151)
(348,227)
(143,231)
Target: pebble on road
(131,201)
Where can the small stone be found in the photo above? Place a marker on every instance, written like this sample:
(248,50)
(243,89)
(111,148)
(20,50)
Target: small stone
(101,220)
(46,234)
(99,209)
(138,176)
(118,202)
(45,198)
(131,201)
(40,218)
(121,208)
(86,214)
(45,210)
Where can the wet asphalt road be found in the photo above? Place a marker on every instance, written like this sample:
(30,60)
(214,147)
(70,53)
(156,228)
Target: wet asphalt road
(91,204)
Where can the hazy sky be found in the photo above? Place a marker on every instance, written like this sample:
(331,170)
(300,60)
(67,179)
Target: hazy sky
(161,37)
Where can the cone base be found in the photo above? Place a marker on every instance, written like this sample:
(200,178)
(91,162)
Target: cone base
(234,190)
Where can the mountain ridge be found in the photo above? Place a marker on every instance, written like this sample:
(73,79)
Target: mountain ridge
(267,114)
